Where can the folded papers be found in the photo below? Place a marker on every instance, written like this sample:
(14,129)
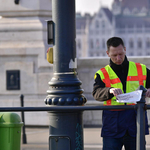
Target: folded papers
(131,97)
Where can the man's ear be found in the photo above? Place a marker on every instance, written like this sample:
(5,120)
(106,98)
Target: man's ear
(125,49)
(107,53)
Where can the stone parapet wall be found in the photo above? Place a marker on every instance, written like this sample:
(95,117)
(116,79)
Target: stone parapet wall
(34,84)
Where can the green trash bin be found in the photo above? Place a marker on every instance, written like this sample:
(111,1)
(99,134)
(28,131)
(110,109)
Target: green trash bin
(10,131)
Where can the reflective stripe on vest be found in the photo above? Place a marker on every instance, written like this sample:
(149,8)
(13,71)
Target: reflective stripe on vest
(136,76)
(140,76)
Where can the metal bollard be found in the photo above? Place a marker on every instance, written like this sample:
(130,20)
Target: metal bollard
(140,138)
(24,139)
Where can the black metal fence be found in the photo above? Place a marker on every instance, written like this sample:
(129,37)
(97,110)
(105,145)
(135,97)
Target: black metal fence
(140,107)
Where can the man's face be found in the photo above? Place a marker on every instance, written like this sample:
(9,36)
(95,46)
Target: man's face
(117,54)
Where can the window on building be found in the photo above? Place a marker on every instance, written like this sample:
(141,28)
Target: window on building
(97,44)
(147,53)
(103,24)
(91,54)
(131,54)
(139,54)
(91,44)
(131,44)
(148,43)
(139,44)
(97,54)
(97,24)
(103,43)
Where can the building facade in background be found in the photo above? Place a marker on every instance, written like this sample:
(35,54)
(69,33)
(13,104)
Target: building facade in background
(128,19)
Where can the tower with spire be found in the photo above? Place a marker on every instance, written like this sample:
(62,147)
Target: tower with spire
(116,7)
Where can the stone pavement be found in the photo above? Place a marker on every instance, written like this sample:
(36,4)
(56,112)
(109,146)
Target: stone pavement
(37,139)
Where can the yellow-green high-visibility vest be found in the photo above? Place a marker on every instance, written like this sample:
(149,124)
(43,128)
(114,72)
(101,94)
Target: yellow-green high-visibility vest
(136,76)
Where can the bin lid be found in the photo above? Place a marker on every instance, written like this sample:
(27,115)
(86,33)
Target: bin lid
(10,118)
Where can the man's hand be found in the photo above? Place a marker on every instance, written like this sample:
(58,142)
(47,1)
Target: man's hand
(115,91)
(148,93)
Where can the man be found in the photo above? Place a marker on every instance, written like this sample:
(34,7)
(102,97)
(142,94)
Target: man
(120,76)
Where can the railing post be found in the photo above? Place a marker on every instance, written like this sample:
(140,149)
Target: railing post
(140,138)
(24,139)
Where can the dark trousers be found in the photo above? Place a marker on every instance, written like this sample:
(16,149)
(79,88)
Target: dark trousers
(117,143)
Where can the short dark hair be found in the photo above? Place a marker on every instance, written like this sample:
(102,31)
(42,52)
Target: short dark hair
(114,41)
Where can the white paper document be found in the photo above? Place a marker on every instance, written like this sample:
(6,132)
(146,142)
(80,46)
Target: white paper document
(131,97)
